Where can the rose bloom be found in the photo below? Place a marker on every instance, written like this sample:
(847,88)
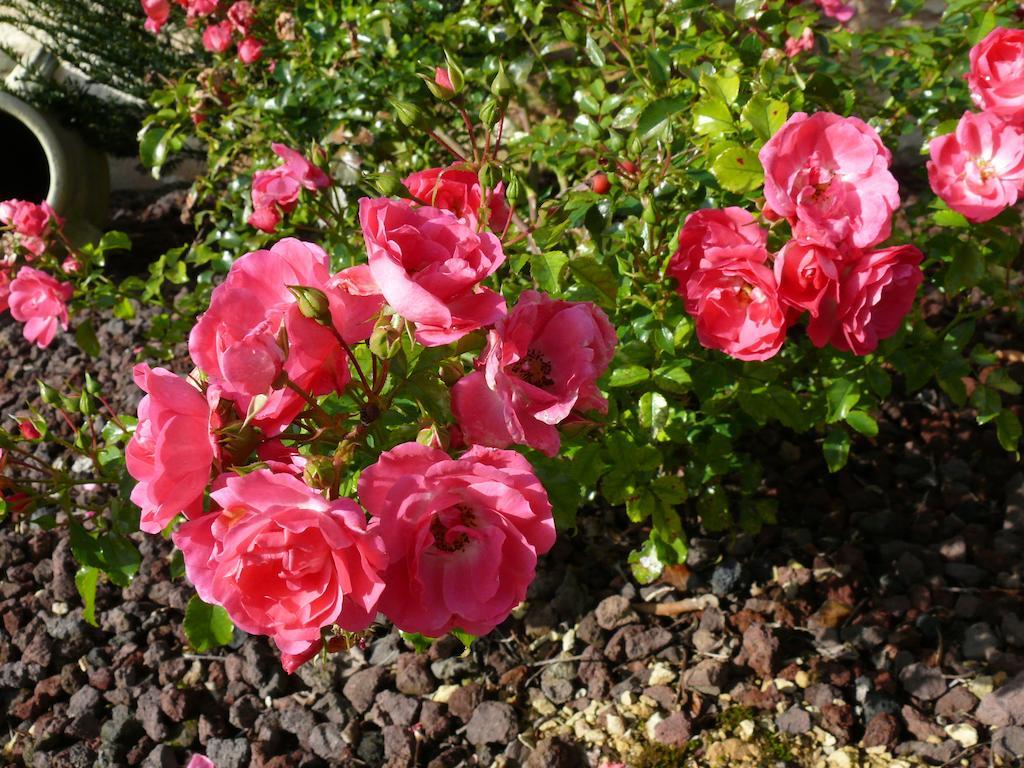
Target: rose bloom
(707,229)
(302,170)
(200,761)
(979,169)
(200,7)
(236,341)
(996,78)
(428,265)
(172,450)
(735,302)
(273,192)
(874,296)
(40,302)
(250,50)
(797,45)
(157,12)
(5,287)
(836,9)
(30,221)
(459,191)
(241,16)
(829,175)
(463,535)
(217,37)
(807,273)
(542,363)
(444,81)
(356,301)
(284,562)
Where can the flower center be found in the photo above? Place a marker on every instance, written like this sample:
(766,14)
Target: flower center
(454,542)
(533,369)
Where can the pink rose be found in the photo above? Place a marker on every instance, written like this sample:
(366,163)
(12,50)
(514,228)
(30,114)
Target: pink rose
(463,535)
(241,15)
(735,303)
(836,9)
(157,12)
(30,221)
(797,45)
(996,78)
(5,287)
(428,265)
(444,81)
(265,219)
(40,302)
(708,229)
(459,191)
(541,364)
(250,50)
(979,169)
(200,761)
(284,562)
(201,8)
(273,192)
(829,175)
(807,273)
(172,450)
(356,301)
(874,297)
(217,37)
(302,170)
(237,341)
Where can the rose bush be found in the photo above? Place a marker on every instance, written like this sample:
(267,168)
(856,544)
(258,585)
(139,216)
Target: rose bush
(577,255)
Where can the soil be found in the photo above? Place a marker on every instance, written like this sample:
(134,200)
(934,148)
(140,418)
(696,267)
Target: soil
(881,622)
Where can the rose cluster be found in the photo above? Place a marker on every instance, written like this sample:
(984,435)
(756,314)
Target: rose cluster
(32,295)
(223,28)
(978,170)
(276,192)
(828,177)
(253,448)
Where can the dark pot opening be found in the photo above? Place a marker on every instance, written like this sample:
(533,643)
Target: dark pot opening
(27,172)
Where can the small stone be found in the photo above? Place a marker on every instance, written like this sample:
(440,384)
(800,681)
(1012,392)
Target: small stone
(614,612)
(399,746)
(361,688)
(555,752)
(820,694)
(646,643)
(759,649)
(980,641)
(963,734)
(325,740)
(435,723)
(923,682)
(390,708)
(701,553)
(1008,742)
(464,701)
(875,704)
(661,675)
(244,711)
(412,675)
(162,756)
(794,721)
(883,730)
(958,702)
(493,722)
(674,730)
(966,573)
(85,700)
(922,728)
(1003,706)
(228,753)
(708,677)
(726,577)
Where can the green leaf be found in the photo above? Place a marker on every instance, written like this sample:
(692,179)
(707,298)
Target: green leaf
(987,402)
(841,398)
(85,582)
(765,115)
(713,508)
(206,626)
(1008,430)
(547,269)
(628,375)
(863,423)
(966,270)
(654,412)
(595,274)
(948,218)
(657,114)
(645,563)
(85,337)
(711,117)
(724,85)
(466,638)
(748,9)
(594,52)
(115,241)
(836,448)
(420,643)
(738,170)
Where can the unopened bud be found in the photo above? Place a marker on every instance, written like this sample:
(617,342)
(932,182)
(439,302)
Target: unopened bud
(488,112)
(318,472)
(312,303)
(451,371)
(390,185)
(408,114)
(501,86)
(48,394)
(455,76)
(385,341)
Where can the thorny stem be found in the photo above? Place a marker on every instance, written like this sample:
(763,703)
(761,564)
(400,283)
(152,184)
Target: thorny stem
(352,356)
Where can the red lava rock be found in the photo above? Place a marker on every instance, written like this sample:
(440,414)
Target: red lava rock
(493,722)
(759,649)
(433,722)
(753,696)
(412,674)
(513,677)
(362,687)
(838,720)
(464,700)
(614,612)
(674,730)
(920,726)
(883,730)
(955,704)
